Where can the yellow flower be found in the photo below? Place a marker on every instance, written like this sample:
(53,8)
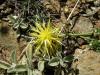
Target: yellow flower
(47,38)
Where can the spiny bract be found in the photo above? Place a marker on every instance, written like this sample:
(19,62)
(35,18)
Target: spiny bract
(47,38)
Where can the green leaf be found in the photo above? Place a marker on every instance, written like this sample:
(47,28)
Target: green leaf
(62,63)
(16,25)
(13,56)
(68,58)
(29,55)
(18,68)
(4,65)
(30,71)
(41,65)
(37,72)
(12,18)
(23,26)
(62,72)
(54,61)
(95,44)
(97,30)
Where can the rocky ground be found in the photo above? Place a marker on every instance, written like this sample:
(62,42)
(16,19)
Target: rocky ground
(88,61)
(85,18)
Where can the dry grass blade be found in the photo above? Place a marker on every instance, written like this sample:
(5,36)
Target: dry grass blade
(23,52)
(71,13)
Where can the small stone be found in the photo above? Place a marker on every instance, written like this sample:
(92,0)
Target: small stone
(88,63)
(80,41)
(83,26)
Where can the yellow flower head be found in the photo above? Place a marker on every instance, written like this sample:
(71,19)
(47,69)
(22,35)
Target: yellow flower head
(47,38)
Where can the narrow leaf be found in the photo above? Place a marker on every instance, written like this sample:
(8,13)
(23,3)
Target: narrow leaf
(13,56)
(54,61)
(41,65)
(4,64)
(68,58)
(29,54)
(18,68)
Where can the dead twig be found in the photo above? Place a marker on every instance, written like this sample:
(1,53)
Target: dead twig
(71,13)
(24,50)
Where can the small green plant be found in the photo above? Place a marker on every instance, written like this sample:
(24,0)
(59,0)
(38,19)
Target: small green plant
(47,38)
(13,67)
(47,44)
(95,45)
(60,64)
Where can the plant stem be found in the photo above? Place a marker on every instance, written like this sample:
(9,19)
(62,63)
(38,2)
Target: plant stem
(29,6)
(85,34)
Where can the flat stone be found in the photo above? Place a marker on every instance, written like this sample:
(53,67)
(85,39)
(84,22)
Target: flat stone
(88,62)
(83,25)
